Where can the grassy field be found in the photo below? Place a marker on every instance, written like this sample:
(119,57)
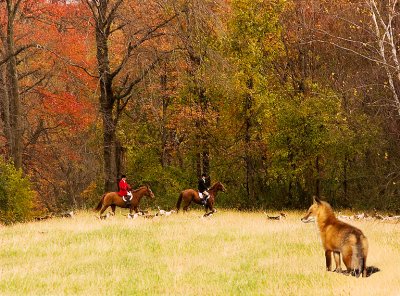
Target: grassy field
(230,253)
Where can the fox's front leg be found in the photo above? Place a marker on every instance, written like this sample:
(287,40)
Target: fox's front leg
(328,258)
(336,256)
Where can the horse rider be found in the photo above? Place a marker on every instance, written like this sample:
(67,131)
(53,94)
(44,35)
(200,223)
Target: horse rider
(202,187)
(123,190)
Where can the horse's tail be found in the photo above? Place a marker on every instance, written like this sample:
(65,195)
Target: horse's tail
(178,203)
(100,203)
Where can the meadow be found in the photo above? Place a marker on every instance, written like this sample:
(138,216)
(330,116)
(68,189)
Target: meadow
(229,253)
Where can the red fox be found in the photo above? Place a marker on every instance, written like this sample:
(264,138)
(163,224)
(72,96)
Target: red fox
(340,238)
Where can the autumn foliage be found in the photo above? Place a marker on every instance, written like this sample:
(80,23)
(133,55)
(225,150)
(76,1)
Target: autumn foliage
(279,100)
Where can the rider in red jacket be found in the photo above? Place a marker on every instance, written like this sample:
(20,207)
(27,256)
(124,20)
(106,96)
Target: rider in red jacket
(124,188)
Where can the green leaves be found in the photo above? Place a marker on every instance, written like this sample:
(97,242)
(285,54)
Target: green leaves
(16,197)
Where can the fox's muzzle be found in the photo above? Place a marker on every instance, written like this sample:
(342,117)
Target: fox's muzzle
(308,219)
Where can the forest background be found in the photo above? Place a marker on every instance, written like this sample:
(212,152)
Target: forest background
(277,99)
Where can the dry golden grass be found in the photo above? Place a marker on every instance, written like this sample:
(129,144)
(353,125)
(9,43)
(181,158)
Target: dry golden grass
(230,253)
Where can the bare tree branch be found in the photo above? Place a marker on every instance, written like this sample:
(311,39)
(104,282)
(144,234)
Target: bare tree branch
(69,62)
(149,35)
(17,52)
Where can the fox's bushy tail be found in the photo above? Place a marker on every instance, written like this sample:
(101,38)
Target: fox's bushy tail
(359,261)
(364,253)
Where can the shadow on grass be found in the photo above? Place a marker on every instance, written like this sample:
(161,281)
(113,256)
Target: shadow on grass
(370,270)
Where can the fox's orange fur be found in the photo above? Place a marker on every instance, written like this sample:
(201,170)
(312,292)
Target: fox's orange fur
(339,238)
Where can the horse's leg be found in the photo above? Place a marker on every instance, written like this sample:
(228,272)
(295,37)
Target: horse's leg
(186,206)
(211,207)
(103,208)
(113,209)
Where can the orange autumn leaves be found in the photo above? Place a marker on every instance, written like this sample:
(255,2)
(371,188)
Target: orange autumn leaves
(67,110)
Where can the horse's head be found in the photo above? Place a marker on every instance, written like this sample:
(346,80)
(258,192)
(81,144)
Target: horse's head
(149,193)
(219,187)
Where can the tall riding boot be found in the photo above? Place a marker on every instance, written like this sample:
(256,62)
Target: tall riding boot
(126,200)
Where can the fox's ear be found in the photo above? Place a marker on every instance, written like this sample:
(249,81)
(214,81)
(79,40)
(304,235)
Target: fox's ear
(317,200)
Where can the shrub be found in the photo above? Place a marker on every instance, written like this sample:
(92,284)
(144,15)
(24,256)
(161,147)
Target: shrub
(16,196)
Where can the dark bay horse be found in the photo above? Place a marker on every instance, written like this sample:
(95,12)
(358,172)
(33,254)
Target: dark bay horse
(190,195)
(113,199)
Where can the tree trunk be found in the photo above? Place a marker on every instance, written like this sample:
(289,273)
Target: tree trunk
(164,130)
(12,99)
(106,101)
(5,108)
(121,159)
(198,165)
(247,158)
(345,181)
(109,151)
(206,161)
(318,179)
(248,105)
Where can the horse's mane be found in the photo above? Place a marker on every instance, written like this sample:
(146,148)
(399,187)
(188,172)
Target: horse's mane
(140,188)
(215,185)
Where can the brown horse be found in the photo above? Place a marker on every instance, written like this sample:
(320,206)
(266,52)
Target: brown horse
(191,195)
(113,199)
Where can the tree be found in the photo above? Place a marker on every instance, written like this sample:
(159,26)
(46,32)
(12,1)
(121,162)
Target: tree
(54,99)
(11,111)
(116,82)
(16,197)
(197,30)
(312,72)
(253,45)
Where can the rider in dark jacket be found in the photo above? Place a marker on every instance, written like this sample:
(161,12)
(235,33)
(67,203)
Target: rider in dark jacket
(202,187)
